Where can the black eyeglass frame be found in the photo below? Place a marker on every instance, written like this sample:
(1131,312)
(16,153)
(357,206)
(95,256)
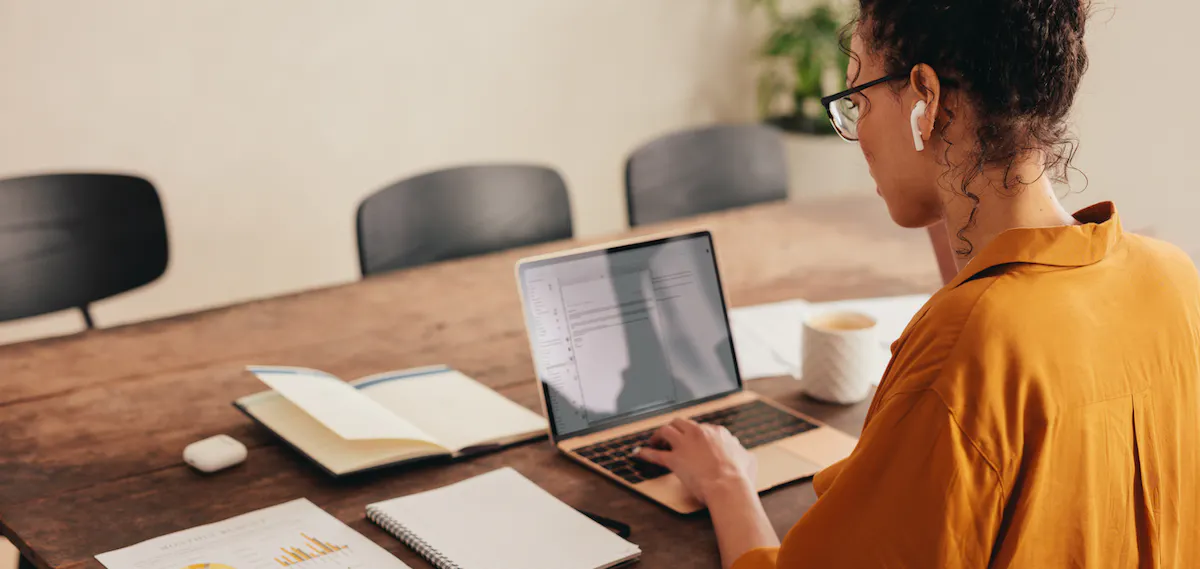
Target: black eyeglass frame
(829,100)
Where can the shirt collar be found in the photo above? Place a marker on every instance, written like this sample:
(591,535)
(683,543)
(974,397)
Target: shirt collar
(1097,235)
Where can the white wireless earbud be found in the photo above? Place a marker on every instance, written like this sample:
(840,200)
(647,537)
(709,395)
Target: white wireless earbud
(918,110)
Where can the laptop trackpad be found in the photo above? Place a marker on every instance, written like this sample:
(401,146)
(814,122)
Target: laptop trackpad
(777,466)
(823,446)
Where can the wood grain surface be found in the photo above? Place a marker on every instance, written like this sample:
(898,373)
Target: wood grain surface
(92,426)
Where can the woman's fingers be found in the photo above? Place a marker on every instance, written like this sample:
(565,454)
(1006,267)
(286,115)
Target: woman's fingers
(671,434)
(654,456)
(665,437)
(685,426)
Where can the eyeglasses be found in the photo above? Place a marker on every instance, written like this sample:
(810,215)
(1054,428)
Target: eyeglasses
(844,112)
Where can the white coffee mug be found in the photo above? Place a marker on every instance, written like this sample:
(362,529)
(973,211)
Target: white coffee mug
(840,356)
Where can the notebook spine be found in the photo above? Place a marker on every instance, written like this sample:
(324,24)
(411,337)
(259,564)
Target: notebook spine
(411,539)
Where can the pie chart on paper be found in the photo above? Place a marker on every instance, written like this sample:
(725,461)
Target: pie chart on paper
(209,566)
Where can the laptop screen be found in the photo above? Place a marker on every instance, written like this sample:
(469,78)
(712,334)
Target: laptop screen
(629,332)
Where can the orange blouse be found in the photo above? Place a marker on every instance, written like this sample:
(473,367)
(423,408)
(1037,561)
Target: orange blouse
(1041,411)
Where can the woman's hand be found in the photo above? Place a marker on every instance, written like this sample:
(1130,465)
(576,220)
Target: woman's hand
(706,458)
(719,472)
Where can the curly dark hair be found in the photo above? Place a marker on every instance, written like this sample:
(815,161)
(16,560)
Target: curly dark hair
(1018,62)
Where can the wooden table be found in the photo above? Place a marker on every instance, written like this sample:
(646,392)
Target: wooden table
(92,426)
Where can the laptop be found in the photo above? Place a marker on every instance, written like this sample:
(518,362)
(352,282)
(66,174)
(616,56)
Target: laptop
(627,337)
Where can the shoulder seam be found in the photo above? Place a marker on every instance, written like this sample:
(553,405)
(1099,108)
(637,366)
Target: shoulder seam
(950,412)
(975,445)
(1003,497)
(958,425)
(954,349)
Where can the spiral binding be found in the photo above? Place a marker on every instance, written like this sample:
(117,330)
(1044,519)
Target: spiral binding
(411,539)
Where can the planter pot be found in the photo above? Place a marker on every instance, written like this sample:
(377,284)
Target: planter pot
(825,165)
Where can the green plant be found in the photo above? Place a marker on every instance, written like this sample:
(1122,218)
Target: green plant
(802,56)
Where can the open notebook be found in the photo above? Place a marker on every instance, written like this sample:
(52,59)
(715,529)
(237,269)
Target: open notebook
(500,520)
(386,419)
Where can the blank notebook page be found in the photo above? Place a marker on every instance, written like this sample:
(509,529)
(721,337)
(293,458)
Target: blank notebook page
(501,520)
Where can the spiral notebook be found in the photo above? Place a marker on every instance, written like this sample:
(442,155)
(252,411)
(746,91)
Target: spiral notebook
(500,520)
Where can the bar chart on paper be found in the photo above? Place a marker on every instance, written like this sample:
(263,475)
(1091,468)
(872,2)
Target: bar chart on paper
(312,549)
(293,534)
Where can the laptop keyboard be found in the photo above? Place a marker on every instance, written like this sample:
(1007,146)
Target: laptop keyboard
(754,424)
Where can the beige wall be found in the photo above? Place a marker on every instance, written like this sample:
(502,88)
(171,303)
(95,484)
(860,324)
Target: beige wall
(264,122)
(1138,125)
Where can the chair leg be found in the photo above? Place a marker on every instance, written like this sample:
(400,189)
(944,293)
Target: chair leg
(87,319)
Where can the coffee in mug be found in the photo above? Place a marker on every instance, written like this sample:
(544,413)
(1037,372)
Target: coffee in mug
(840,356)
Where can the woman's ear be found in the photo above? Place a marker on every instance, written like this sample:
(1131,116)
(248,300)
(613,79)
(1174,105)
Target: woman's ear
(927,87)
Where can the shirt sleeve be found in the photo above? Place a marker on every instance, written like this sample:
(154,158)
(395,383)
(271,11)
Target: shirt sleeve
(916,492)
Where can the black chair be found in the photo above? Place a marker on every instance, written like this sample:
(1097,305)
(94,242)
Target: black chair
(460,212)
(68,240)
(703,170)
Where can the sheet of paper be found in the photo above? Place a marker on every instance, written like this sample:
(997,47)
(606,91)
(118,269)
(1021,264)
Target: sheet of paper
(767,338)
(337,404)
(294,534)
(755,360)
(456,409)
(770,334)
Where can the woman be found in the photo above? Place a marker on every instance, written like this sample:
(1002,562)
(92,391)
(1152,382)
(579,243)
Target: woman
(1042,410)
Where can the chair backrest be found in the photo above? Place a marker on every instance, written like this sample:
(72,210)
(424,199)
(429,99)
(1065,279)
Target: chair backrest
(703,170)
(67,240)
(459,212)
